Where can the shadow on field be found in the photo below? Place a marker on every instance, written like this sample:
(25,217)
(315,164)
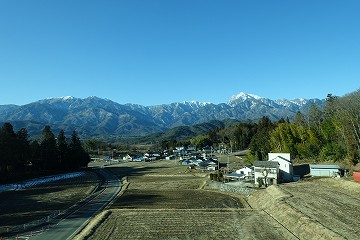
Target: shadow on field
(19,207)
(136,200)
(121,172)
(34,203)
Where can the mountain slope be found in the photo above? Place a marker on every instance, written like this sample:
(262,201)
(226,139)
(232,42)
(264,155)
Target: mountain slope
(96,117)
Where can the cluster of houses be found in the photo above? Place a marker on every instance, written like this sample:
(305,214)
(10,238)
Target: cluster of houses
(147,157)
(279,169)
(182,152)
(201,163)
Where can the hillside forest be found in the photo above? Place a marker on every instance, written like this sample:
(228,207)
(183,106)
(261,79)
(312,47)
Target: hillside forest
(327,134)
(322,134)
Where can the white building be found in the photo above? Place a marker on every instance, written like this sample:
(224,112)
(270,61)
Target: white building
(285,165)
(266,172)
(246,171)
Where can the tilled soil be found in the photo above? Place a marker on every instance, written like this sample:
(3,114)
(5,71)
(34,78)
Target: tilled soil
(334,203)
(189,224)
(162,202)
(24,206)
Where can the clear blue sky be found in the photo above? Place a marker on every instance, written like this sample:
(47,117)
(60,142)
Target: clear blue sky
(152,52)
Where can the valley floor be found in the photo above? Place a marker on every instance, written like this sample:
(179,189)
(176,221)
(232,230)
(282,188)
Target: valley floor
(163,202)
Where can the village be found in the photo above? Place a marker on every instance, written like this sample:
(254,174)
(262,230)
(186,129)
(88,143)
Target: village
(290,201)
(279,168)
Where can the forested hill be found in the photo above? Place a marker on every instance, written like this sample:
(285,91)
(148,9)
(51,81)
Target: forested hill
(96,117)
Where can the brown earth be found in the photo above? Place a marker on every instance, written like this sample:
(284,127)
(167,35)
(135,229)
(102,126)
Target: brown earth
(333,203)
(164,202)
(24,206)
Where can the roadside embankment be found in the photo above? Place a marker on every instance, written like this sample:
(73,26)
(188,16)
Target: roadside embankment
(272,200)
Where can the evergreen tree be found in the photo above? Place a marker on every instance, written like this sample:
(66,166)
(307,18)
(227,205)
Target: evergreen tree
(78,157)
(35,156)
(7,147)
(63,149)
(23,147)
(260,143)
(299,119)
(49,156)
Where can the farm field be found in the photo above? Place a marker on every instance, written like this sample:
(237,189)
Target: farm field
(332,202)
(24,206)
(164,202)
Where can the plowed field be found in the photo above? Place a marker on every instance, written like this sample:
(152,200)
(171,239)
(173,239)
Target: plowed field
(162,202)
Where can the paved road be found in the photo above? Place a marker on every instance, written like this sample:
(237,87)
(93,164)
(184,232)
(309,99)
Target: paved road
(73,223)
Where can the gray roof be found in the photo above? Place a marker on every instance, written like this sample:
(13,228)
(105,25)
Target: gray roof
(234,175)
(324,166)
(282,159)
(267,164)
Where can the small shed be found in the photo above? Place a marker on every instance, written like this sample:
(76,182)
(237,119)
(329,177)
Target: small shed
(324,170)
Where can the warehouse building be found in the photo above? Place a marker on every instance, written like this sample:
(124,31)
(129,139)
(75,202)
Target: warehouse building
(324,170)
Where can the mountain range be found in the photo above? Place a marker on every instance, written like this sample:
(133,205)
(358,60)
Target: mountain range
(97,117)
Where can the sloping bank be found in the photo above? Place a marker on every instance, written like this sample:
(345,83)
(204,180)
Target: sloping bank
(272,201)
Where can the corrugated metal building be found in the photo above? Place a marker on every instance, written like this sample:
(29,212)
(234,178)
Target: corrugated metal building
(324,170)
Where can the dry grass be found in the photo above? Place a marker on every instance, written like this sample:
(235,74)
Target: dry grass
(189,224)
(164,202)
(20,207)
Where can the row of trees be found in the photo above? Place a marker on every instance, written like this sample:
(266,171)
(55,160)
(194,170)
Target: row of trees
(18,153)
(328,134)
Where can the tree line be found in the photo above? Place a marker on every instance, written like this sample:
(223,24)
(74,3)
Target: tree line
(322,134)
(19,154)
(328,134)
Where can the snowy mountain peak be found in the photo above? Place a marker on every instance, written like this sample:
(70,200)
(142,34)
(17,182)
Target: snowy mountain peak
(64,98)
(196,103)
(242,97)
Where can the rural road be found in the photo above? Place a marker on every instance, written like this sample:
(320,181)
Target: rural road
(74,222)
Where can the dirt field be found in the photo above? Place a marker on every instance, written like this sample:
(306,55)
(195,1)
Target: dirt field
(24,206)
(332,202)
(164,202)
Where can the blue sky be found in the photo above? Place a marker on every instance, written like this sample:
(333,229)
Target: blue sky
(153,52)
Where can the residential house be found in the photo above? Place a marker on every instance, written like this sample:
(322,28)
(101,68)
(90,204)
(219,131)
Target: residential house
(246,171)
(130,157)
(266,172)
(285,165)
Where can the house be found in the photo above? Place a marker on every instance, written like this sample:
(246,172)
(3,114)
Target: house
(209,164)
(324,170)
(186,162)
(171,157)
(234,176)
(246,171)
(266,172)
(130,157)
(140,159)
(285,165)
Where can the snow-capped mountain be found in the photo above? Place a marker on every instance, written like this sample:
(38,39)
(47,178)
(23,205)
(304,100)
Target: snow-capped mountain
(95,116)
(242,97)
